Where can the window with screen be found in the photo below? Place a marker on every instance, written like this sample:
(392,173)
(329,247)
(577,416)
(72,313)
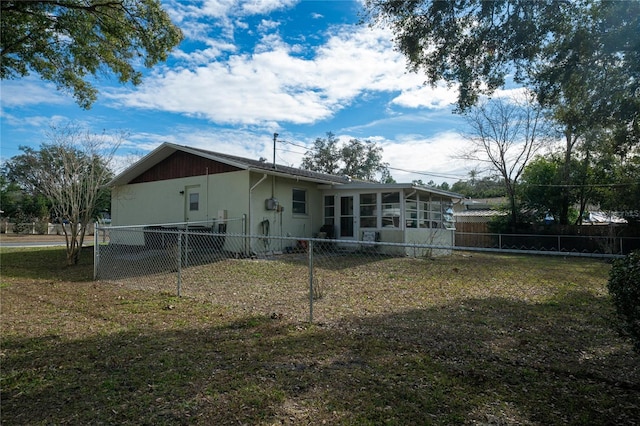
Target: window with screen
(411,203)
(435,213)
(391,209)
(299,201)
(368,210)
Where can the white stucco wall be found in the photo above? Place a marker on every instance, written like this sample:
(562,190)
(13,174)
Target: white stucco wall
(441,237)
(283,222)
(162,201)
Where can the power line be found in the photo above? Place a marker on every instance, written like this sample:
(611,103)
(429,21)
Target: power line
(448,176)
(293,144)
(588,185)
(416,172)
(423,173)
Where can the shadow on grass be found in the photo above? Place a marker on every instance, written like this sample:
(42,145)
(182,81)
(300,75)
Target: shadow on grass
(46,263)
(493,361)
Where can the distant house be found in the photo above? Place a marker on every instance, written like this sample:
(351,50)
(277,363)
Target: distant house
(477,211)
(178,184)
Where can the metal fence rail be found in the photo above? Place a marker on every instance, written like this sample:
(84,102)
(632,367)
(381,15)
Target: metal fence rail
(587,245)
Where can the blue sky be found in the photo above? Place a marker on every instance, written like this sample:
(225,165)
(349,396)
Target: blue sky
(247,69)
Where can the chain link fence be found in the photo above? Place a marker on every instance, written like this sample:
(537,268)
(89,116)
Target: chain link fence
(574,244)
(251,273)
(288,273)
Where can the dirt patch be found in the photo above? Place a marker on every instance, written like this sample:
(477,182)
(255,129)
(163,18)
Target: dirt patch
(24,238)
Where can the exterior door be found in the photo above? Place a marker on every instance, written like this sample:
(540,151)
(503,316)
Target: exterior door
(348,223)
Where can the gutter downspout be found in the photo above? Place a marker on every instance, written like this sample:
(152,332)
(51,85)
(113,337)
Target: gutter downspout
(250,219)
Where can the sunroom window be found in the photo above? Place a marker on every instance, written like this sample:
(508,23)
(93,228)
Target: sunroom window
(368,210)
(391,209)
(411,203)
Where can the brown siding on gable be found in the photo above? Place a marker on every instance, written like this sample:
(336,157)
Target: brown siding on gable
(180,165)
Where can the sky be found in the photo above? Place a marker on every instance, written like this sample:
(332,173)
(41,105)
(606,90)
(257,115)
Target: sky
(248,69)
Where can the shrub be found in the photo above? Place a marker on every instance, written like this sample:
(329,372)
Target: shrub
(41,227)
(624,288)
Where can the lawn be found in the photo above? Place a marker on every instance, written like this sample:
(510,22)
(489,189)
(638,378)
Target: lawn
(465,339)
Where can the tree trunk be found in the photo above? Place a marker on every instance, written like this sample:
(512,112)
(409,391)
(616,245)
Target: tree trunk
(566,179)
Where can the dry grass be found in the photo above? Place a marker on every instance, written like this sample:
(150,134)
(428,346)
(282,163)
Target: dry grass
(482,339)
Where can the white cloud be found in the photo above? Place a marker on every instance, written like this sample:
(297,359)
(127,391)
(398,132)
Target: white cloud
(426,96)
(30,91)
(432,156)
(273,84)
(256,7)
(268,24)
(243,143)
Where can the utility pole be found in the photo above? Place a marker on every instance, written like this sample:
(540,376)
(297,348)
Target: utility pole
(275,136)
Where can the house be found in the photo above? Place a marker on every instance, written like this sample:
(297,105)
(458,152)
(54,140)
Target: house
(178,184)
(473,215)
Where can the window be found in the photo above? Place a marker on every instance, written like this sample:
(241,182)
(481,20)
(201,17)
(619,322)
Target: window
(194,201)
(299,201)
(368,210)
(391,209)
(424,221)
(435,213)
(412,211)
(329,210)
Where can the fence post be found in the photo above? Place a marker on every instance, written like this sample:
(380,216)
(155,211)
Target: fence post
(310,258)
(186,245)
(559,245)
(500,241)
(96,251)
(245,233)
(179,263)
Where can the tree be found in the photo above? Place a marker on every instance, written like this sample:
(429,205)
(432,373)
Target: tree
(71,171)
(324,157)
(444,185)
(580,58)
(610,176)
(66,41)
(539,190)
(16,202)
(356,159)
(478,43)
(506,134)
(598,176)
(486,187)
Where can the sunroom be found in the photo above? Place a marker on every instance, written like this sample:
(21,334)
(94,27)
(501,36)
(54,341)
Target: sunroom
(393,213)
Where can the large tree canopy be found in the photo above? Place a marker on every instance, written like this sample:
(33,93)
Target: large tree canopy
(549,44)
(581,59)
(357,159)
(65,41)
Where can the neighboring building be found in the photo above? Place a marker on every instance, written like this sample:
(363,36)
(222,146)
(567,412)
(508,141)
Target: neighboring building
(177,184)
(477,211)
